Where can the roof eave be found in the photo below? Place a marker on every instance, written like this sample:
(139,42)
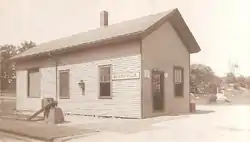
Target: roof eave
(78,47)
(157,25)
(178,23)
(184,32)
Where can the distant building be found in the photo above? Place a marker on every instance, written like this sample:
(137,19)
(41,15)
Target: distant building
(136,69)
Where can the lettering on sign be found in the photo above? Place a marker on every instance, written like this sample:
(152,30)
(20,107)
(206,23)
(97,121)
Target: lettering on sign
(124,76)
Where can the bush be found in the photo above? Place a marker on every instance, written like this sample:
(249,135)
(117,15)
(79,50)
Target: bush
(237,86)
(203,80)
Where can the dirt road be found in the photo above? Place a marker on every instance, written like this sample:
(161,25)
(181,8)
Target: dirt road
(216,124)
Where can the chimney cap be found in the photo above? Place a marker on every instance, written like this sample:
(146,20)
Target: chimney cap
(104,11)
(104,18)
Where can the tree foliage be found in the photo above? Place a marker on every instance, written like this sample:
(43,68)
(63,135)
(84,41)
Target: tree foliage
(247,82)
(25,46)
(8,68)
(230,78)
(202,79)
(242,81)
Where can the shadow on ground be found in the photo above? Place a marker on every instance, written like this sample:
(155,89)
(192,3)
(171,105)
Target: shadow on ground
(125,126)
(203,111)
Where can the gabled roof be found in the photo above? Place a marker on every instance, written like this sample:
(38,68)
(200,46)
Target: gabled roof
(137,28)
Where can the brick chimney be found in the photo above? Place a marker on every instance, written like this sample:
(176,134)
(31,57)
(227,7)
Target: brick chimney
(104,18)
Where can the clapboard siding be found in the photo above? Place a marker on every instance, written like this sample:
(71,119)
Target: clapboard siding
(23,101)
(126,94)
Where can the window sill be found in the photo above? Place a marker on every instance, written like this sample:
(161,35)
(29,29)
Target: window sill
(105,97)
(65,98)
(33,97)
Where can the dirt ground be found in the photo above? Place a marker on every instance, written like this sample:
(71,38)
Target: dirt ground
(7,106)
(124,126)
(4,137)
(237,97)
(213,124)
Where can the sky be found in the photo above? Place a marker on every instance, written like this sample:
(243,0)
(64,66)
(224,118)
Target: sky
(221,27)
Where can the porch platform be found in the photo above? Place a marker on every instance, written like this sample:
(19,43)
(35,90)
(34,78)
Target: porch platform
(40,131)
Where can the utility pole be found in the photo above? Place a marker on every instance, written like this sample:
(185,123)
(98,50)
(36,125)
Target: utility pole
(56,62)
(233,66)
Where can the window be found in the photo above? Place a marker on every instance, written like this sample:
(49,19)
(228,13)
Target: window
(33,83)
(178,81)
(105,81)
(64,84)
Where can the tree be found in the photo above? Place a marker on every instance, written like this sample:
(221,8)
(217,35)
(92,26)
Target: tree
(230,78)
(25,46)
(241,80)
(8,68)
(202,79)
(7,71)
(247,82)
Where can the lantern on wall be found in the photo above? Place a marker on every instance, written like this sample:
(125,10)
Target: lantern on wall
(82,86)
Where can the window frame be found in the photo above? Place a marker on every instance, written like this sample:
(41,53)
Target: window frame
(99,81)
(32,70)
(182,80)
(63,71)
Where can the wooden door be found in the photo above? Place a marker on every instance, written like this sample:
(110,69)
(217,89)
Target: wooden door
(158,90)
